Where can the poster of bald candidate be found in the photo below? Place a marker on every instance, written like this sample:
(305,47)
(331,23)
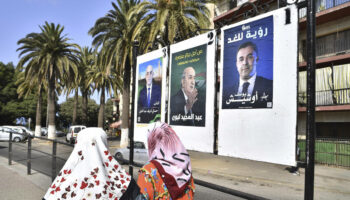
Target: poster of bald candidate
(248,65)
(188,87)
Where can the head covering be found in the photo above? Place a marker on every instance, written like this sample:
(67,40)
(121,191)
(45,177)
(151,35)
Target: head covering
(90,172)
(169,155)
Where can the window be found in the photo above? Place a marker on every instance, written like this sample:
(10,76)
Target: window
(77,129)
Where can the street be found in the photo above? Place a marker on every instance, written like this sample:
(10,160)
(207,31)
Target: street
(42,163)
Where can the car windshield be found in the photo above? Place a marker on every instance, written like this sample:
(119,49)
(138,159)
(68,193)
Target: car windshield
(76,130)
(138,145)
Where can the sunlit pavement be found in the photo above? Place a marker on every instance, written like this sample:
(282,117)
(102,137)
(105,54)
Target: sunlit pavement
(258,178)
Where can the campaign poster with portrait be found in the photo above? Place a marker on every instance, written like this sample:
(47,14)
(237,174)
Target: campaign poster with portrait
(149,91)
(188,83)
(260,126)
(248,65)
(192,91)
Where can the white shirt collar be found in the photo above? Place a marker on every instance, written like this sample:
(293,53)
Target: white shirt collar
(251,82)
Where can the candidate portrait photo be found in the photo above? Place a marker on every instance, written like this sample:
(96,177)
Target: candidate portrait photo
(188,87)
(248,66)
(149,91)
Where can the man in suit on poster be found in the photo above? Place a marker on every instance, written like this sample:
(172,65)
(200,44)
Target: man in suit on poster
(150,95)
(249,90)
(184,106)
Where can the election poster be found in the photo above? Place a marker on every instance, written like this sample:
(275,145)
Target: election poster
(248,65)
(150,91)
(258,91)
(188,83)
(192,90)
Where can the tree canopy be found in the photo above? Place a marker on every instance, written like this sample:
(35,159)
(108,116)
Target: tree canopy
(11,106)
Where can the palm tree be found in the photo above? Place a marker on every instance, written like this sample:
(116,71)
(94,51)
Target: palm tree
(25,87)
(171,19)
(53,57)
(116,33)
(105,79)
(86,61)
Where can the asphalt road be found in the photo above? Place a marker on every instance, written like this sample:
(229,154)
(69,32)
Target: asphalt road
(43,164)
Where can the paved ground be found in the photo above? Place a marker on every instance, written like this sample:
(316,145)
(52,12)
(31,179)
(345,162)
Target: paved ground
(261,179)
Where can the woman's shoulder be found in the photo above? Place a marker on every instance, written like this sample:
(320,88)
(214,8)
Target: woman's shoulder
(148,168)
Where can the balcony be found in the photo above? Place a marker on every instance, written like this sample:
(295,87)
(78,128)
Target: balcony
(332,88)
(327,98)
(331,49)
(327,10)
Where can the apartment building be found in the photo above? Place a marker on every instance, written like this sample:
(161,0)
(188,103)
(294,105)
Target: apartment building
(332,114)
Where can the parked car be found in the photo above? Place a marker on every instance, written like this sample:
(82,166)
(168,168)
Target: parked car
(18,130)
(43,131)
(28,131)
(72,133)
(5,135)
(140,153)
(60,133)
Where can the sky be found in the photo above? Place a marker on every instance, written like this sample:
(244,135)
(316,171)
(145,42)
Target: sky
(21,17)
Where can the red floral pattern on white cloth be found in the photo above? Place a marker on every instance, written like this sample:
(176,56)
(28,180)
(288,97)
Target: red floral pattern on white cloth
(90,172)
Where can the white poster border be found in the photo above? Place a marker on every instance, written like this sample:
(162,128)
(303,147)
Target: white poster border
(140,129)
(199,138)
(267,135)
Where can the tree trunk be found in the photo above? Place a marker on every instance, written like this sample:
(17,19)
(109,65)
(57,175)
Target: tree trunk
(51,107)
(101,112)
(85,108)
(38,114)
(75,107)
(126,95)
(126,105)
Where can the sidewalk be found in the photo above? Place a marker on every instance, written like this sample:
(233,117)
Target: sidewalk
(15,184)
(266,180)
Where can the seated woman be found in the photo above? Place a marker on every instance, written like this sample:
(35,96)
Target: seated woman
(168,175)
(91,172)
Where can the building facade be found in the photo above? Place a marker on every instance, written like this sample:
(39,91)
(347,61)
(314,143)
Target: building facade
(332,116)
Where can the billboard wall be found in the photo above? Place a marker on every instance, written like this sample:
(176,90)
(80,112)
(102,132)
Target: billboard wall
(150,91)
(192,90)
(258,102)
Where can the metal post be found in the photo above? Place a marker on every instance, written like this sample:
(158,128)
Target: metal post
(216,109)
(310,122)
(167,79)
(131,134)
(54,150)
(10,148)
(29,155)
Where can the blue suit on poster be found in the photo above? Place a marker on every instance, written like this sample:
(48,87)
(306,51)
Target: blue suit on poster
(248,65)
(153,100)
(262,93)
(149,99)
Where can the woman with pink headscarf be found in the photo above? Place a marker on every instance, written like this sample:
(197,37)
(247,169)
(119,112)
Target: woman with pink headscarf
(168,174)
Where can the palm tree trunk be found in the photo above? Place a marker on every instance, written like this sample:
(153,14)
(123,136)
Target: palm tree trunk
(38,114)
(75,107)
(51,107)
(102,109)
(126,104)
(85,105)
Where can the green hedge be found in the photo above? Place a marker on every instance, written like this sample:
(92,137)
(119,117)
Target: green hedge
(329,152)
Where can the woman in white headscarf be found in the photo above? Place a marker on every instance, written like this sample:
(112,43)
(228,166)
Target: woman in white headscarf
(168,175)
(91,172)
